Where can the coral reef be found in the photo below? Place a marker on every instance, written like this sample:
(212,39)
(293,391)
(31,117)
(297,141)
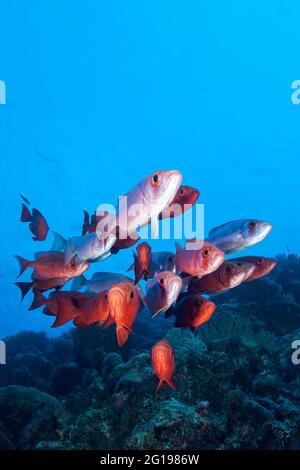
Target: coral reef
(237,387)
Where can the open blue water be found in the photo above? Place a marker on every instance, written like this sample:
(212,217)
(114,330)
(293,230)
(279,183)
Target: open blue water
(100,94)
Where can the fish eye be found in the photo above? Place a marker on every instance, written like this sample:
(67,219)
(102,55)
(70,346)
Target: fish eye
(198,303)
(260,261)
(155,180)
(181,191)
(252,225)
(132,294)
(228,269)
(161,281)
(205,253)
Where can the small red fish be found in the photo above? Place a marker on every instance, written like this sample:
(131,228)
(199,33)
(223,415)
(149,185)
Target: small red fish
(163,363)
(41,284)
(142,262)
(200,259)
(191,311)
(51,264)
(185,198)
(227,276)
(38,224)
(124,303)
(262,266)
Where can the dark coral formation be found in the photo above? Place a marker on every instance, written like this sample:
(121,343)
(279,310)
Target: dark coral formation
(237,387)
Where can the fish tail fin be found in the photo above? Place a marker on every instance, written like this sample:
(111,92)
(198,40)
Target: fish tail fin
(168,382)
(122,335)
(78,282)
(24,264)
(59,242)
(25,214)
(38,300)
(24,287)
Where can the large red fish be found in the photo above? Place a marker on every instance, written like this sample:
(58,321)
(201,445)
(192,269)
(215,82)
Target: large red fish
(49,265)
(227,276)
(261,266)
(142,262)
(203,259)
(185,198)
(163,363)
(191,311)
(123,299)
(38,224)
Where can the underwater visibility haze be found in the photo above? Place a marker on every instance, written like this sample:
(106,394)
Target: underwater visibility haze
(124,343)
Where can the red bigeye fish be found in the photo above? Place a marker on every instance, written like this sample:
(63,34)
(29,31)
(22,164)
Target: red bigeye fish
(192,311)
(49,265)
(41,285)
(185,198)
(162,291)
(142,262)
(163,363)
(38,224)
(147,200)
(227,276)
(238,234)
(124,303)
(160,261)
(261,266)
(199,261)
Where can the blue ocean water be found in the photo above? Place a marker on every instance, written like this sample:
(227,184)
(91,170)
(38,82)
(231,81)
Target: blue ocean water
(101,94)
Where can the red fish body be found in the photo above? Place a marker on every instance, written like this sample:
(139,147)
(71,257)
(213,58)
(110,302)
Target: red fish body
(49,265)
(192,311)
(142,262)
(203,259)
(185,198)
(41,284)
(38,224)
(124,303)
(163,363)
(162,291)
(227,276)
(261,266)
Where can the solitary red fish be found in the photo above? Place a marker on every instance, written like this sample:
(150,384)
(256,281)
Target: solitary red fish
(262,266)
(185,198)
(192,311)
(142,262)
(123,299)
(51,264)
(163,363)
(38,224)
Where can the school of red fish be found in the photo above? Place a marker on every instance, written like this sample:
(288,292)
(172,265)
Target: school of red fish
(176,282)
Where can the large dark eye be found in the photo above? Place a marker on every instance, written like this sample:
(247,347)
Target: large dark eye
(252,225)
(260,260)
(161,281)
(205,253)
(228,269)
(155,180)
(198,303)
(181,191)
(132,294)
